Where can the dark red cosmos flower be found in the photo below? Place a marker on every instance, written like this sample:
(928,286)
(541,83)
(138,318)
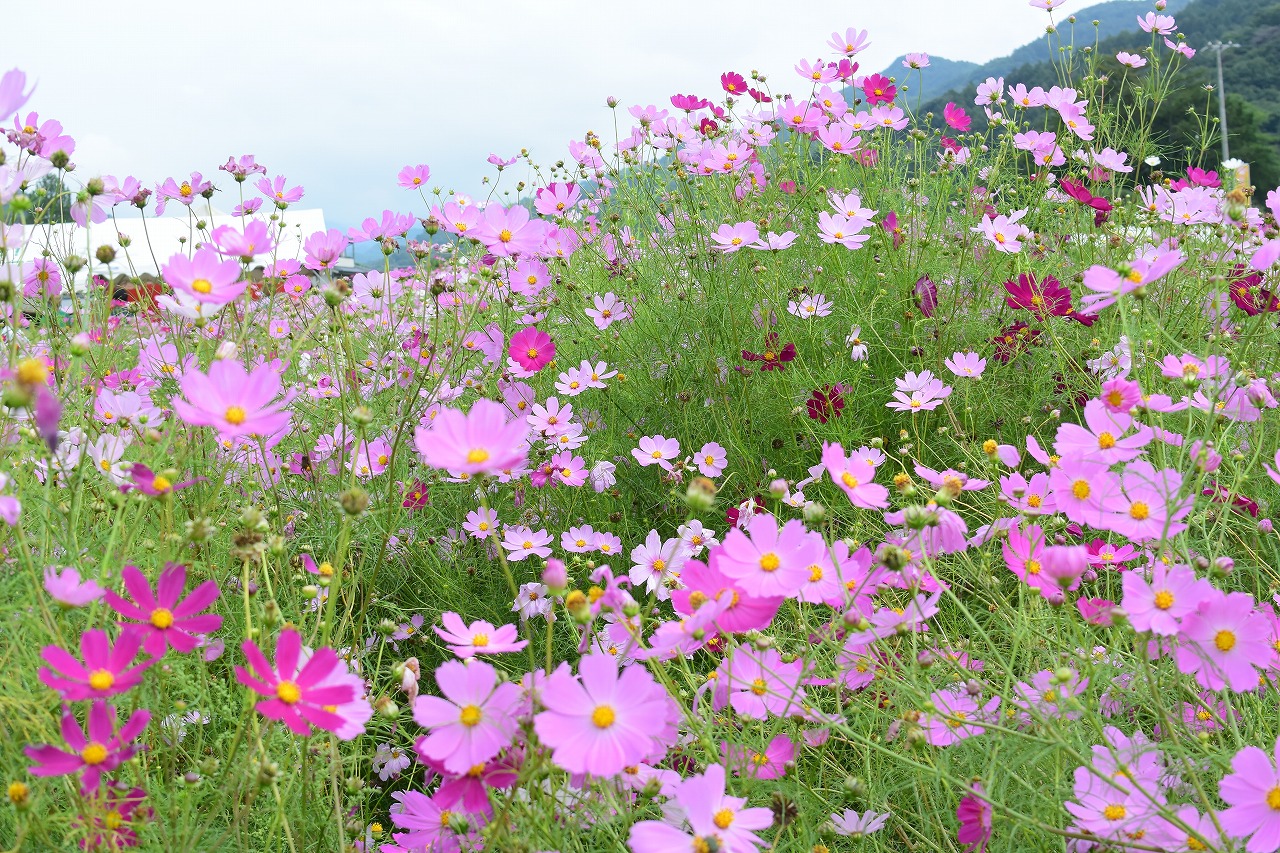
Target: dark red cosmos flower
(826,402)
(732,513)
(416,496)
(1249,295)
(1013,340)
(774,357)
(1221,494)
(1045,298)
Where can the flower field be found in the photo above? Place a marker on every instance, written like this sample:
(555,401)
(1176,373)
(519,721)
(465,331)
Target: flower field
(785,469)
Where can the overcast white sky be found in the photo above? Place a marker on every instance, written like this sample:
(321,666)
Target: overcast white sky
(339,96)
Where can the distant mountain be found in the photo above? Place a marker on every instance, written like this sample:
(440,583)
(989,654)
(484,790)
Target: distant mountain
(1114,17)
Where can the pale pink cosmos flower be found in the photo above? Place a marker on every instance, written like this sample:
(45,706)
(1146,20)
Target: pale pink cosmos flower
(956,717)
(1004,233)
(713,458)
(604,719)
(68,589)
(656,450)
(520,542)
(607,309)
(482,441)
(966,364)
(854,825)
(474,720)
(234,400)
(478,638)
(731,238)
(1252,790)
(1224,643)
(1130,59)
(1108,284)
(205,276)
(1160,604)
(714,820)
(854,475)
(1153,23)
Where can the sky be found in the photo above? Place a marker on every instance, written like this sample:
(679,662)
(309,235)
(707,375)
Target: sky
(339,96)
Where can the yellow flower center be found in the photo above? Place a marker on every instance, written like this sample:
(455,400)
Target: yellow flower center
(94,753)
(849,480)
(288,692)
(100,679)
(1106,441)
(32,371)
(480,640)
(659,565)
(1080,489)
(202,285)
(161,618)
(474,457)
(770,562)
(1033,567)
(1225,640)
(723,818)
(113,820)
(470,716)
(1164,599)
(234,415)
(603,716)
(1139,511)
(1034,501)
(758,687)
(1115,812)
(504,235)
(1273,798)
(815,573)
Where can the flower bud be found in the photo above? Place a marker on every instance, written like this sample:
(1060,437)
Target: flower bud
(354,500)
(555,576)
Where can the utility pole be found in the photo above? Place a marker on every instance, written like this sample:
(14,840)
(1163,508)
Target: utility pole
(1218,47)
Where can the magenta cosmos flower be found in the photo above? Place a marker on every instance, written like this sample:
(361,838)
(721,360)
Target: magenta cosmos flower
(478,638)
(715,820)
(1158,605)
(234,400)
(163,620)
(1253,792)
(532,349)
(301,696)
(105,671)
(974,814)
(100,750)
(481,441)
(474,721)
(602,720)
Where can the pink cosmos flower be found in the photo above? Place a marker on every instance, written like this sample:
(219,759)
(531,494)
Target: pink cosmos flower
(770,764)
(854,475)
(520,542)
(968,365)
(234,400)
(956,717)
(1252,790)
(1108,285)
(1224,642)
(274,190)
(854,825)
(474,721)
(758,683)
(768,561)
(656,450)
(301,696)
(481,441)
(324,248)
(163,620)
(99,750)
(1158,606)
(506,232)
(731,238)
(413,177)
(105,671)
(1104,439)
(606,310)
(1150,508)
(705,581)
(713,458)
(956,118)
(602,720)
(715,820)
(532,348)
(12,97)
(1005,233)
(205,276)
(68,589)
(432,826)
(478,638)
